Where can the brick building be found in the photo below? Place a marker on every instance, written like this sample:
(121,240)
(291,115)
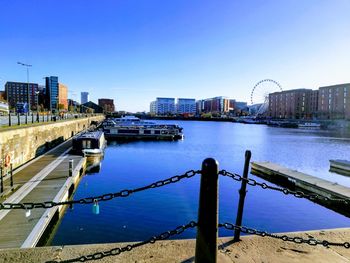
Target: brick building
(107,105)
(293,104)
(334,102)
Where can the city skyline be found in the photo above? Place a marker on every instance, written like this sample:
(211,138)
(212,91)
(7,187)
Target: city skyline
(134,52)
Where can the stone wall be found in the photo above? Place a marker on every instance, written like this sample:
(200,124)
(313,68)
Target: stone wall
(26,143)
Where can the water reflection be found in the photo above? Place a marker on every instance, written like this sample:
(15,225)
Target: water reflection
(138,163)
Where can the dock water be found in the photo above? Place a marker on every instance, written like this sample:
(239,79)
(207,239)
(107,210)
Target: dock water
(45,178)
(295,180)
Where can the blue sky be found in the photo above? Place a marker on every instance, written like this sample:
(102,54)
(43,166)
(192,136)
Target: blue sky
(133,51)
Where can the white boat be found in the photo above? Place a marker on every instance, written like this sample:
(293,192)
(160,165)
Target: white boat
(89,143)
(130,127)
(309,125)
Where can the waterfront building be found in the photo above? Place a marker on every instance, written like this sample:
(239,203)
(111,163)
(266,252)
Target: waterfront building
(186,106)
(153,107)
(107,105)
(334,102)
(199,107)
(52,92)
(84,97)
(293,104)
(18,92)
(218,105)
(164,106)
(63,96)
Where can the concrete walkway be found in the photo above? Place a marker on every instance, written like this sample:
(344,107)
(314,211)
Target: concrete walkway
(250,249)
(40,180)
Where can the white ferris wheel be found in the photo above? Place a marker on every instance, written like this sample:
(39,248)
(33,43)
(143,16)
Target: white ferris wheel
(260,95)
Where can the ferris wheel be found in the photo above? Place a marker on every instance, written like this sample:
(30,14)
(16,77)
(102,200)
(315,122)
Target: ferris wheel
(260,95)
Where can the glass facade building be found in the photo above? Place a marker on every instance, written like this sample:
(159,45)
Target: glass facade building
(52,93)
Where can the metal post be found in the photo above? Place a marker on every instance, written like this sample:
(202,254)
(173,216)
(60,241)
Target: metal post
(32,117)
(1,181)
(71,161)
(26,118)
(11,175)
(10,118)
(18,119)
(207,230)
(242,194)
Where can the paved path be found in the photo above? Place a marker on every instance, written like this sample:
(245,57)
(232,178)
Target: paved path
(39,180)
(251,249)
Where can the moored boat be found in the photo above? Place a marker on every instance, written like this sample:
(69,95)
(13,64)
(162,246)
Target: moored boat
(89,143)
(133,128)
(310,125)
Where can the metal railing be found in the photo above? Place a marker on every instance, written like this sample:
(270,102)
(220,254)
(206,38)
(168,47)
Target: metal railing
(207,224)
(12,119)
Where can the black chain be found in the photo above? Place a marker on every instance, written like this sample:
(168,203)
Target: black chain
(297,240)
(286,191)
(105,197)
(117,251)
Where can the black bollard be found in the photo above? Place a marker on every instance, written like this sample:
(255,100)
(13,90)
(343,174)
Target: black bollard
(11,176)
(10,119)
(18,119)
(207,229)
(242,194)
(1,181)
(26,118)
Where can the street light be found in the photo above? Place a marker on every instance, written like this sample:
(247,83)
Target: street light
(27,66)
(37,105)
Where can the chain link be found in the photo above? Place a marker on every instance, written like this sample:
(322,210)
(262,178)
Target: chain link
(119,250)
(105,197)
(297,240)
(286,191)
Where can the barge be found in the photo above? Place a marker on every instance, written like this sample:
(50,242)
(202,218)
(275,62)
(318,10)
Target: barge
(89,144)
(132,128)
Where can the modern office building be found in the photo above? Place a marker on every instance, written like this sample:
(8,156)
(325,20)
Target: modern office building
(107,105)
(293,104)
(186,106)
(18,92)
(199,107)
(153,107)
(62,96)
(163,106)
(52,93)
(334,102)
(218,105)
(84,97)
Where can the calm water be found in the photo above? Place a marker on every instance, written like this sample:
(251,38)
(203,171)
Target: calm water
(144,214)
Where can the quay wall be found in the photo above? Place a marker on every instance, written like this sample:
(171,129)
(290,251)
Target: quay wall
(23,144)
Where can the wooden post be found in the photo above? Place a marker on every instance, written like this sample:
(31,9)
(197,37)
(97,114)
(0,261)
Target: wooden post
(207,229)
(242,194)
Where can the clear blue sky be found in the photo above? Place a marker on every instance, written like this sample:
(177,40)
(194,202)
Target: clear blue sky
(133,51)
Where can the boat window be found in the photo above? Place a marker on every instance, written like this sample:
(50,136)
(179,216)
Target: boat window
(86,144)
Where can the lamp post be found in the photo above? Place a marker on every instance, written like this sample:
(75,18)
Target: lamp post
(28,97)
(37,105)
